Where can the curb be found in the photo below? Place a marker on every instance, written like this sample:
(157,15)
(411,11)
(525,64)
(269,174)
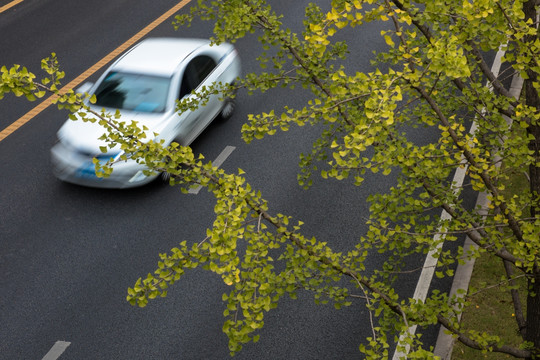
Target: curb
(462,278)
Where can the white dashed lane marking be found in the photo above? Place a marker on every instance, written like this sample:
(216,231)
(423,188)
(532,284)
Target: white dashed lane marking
(217,163)
(58,348)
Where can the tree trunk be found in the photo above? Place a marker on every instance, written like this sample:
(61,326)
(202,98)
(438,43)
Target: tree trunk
(533,100)
(533,314)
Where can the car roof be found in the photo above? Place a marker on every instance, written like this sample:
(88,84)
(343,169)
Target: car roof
(157,56)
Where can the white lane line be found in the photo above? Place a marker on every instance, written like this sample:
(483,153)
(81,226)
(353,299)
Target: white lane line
(217,163)
(58,348)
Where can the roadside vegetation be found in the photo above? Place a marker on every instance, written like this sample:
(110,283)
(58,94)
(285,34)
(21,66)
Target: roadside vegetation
(490,307)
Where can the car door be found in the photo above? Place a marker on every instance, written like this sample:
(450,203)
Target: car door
(198,73)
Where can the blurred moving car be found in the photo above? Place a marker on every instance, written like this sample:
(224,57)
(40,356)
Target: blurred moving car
(144,85)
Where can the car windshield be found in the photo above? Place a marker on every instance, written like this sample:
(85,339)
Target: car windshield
(135,92)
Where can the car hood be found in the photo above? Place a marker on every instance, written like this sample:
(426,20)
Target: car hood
(84,136)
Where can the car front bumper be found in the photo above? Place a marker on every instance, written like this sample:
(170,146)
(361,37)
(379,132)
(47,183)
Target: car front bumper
(76,168)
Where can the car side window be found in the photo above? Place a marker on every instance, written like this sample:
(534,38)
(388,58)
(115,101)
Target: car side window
(196,71)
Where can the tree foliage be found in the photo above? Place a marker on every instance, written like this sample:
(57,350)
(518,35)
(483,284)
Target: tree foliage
(434,77)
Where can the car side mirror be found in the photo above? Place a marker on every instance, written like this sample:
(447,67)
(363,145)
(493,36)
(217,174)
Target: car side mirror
(85,87)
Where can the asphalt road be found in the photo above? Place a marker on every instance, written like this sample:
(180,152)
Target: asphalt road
(68,254)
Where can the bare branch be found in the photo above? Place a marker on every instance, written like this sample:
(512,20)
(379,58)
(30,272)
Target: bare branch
(518,308)
(493,347)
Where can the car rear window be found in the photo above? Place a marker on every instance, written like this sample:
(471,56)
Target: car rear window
(134,92)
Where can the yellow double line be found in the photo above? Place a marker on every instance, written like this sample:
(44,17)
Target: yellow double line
(74,83)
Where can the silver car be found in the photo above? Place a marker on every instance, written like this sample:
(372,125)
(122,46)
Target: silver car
(144,85)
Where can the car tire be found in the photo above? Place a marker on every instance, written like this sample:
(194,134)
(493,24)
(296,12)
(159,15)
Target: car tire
(165,177)
(227,110)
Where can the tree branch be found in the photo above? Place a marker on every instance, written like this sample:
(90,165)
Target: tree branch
(492,347)
(518,308)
